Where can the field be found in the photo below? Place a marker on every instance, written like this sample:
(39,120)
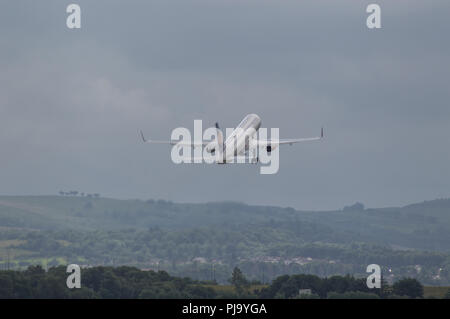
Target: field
(429,292)
(437,292)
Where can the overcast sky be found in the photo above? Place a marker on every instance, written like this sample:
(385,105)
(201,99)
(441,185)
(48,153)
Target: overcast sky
(72,101)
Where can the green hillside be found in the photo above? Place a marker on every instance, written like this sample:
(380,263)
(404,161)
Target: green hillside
(421,226)
(206,240)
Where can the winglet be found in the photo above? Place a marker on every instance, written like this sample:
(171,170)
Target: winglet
(217,124)
(142,136)
(321,133)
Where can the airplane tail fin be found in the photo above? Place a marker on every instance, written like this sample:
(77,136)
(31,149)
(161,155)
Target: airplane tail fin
(143,137)
(220,146)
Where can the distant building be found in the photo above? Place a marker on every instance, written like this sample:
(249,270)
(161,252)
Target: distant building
(304,292)
(355,207)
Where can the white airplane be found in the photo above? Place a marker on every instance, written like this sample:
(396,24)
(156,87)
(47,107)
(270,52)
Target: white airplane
(242,140)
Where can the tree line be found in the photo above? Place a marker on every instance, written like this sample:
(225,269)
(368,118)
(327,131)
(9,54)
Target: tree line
(129,282)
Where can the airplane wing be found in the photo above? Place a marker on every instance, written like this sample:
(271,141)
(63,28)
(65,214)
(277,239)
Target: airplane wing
(195,144)
(264,143)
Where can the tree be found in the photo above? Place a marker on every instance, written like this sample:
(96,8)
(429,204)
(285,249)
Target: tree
(355,207)
(6,286)
(447,295)
(36,270)
(238,280)
(408,287)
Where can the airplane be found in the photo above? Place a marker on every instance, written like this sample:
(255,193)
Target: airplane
(241,141)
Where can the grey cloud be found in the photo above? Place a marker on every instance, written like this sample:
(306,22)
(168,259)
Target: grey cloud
(71,102)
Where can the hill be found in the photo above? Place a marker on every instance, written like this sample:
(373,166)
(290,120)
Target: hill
(418,226)
(190,239)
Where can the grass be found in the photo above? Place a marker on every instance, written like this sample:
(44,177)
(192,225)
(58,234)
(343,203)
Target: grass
(437,292)
(228,289)
(11,243)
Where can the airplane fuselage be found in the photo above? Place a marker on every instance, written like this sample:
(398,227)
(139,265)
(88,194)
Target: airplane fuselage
(239,138)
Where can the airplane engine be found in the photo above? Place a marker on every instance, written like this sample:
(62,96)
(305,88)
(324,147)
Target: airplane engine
(211,147)
(270,148)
